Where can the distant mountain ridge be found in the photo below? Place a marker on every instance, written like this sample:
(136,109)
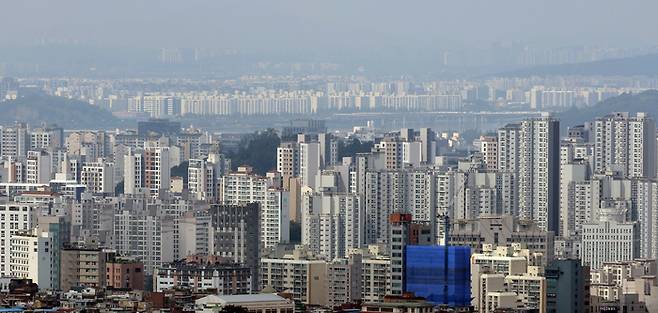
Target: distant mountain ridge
(36,108)
(643,102)
(644,65)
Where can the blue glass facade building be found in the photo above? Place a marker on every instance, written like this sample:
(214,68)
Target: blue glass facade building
(441,274)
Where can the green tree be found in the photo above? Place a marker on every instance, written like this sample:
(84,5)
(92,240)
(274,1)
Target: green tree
(181,171)
(350,147)
(258,150)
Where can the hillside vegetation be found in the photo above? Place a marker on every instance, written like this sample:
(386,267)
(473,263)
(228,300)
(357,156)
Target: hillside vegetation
(37,108)
(643,102)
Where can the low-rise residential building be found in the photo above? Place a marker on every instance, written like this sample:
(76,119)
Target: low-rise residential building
(300,274)
(32,257)
(221,279)
(82,267)
(498,274)
(124,273)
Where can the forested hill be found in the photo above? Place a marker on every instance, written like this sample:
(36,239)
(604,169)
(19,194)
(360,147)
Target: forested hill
(36,108)
(644,65)
(643,102)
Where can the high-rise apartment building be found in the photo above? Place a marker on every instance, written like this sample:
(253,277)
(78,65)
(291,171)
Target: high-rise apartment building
(328,149)
(391,148)
(89,145)
(201,180)
(58,231)
(626,144)
(46,138)
(157,169)
(405,232)
(98,176)
(375,282)
(314,280)
(567,284)
(149,238)
(14,217)
(309,162)
(133,172)
(14,141)
(645,206)
(531,150)
(428,145)
(611,238)
(287,159)
(195,233)
(38,167)
(244,187)
(344,277)
(332,223)
(384,195)
(235,231)
(155,105)
(509,159)
(411,153)
(575,199)
(32,257)
(489,150)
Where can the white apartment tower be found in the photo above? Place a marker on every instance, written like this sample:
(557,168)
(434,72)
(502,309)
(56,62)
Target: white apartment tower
(133,172)
(14,218)
(392,150)
(428,143)
(202,177)
(46,138)
(98,176)
(489,150)
(531,149)
(328,149)
(575,196)
(508,160)
(32,257)
(147,238)
(332,223)
(611,239)
(38,167)
(384,195)
(309,162)
(14,141)
(287,159)
(243,187)
(411,153)
(627,144)
(645,201)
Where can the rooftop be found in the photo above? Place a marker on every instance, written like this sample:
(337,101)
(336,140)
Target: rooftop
(237,299)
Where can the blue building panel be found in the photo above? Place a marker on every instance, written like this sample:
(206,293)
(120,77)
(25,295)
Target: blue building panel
(440,274)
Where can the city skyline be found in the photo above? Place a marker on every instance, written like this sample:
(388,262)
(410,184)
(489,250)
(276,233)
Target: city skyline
(371,156)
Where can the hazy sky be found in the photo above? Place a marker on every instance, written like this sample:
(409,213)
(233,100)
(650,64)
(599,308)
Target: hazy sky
(329,24)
